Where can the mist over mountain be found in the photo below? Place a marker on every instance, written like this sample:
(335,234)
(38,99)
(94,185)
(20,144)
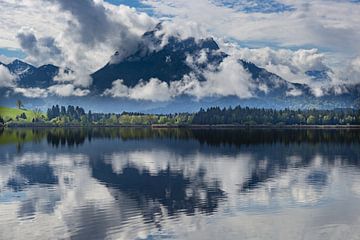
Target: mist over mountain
(172,74)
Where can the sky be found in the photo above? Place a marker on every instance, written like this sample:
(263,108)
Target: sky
(286,37)
(328,25)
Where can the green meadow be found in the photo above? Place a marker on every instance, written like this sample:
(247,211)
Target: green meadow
(11,113)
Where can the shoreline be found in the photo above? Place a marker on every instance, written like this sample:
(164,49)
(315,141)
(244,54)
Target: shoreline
(191,126)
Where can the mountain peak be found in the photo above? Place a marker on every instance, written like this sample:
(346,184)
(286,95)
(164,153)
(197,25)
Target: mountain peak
(48,67)
(19,67)
(157,58)
(18,62)
(30,76)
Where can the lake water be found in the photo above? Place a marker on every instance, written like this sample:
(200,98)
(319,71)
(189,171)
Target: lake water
(179,184)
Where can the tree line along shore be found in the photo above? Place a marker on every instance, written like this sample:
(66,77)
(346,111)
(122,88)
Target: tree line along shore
(75,116)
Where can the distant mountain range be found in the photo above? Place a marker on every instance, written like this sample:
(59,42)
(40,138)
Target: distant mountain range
(170,63)
(30,76)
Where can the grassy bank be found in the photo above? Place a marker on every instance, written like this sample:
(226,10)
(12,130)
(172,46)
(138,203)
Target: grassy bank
(12,113)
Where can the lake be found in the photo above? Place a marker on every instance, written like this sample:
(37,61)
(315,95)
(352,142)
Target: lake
(142,183)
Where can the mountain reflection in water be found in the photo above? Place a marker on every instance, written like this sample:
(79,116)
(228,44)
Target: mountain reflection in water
(143,183)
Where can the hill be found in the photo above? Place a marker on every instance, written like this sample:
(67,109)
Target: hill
(11,113)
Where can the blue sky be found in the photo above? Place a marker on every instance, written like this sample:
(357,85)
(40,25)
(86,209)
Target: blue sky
(12,53)
(131,3)
(252,6)
(264,6)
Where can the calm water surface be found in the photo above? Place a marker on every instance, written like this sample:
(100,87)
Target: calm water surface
(179,184)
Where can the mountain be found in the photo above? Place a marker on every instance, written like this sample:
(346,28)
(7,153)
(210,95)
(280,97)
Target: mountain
(169,59)
(168,64)
(29,76)
(171,62)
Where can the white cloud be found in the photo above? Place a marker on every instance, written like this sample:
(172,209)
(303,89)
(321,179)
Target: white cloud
(181,29)
(153,90)
(318,23)
(294,92)
(32,92)
(66,90)
(351,74)
(318,91)
(83,35)
(77,78)
(290,65)
(229,79)
(62,90)
(6,78)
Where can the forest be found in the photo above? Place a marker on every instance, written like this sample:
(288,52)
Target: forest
(211,116)
(242,116)
(257,116)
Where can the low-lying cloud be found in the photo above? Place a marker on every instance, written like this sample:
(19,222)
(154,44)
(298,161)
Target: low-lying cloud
(67,90)
(62,90)
(6,78)
(153,90)
(290,65)
(32,92)
(229,79)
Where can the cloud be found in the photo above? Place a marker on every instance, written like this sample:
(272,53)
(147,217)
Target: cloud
(6,78)
(318,91)
(83,34)
(319,23)
(90,23)
(229,79)
(39,50)
(294,92)
(76,78)
(61,90)
(66,90)
(180,29)
(351,74)
(32,92)
(153,90)
(288,64)
(99,29)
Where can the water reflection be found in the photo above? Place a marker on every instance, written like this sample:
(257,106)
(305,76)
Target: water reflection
(144,183)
